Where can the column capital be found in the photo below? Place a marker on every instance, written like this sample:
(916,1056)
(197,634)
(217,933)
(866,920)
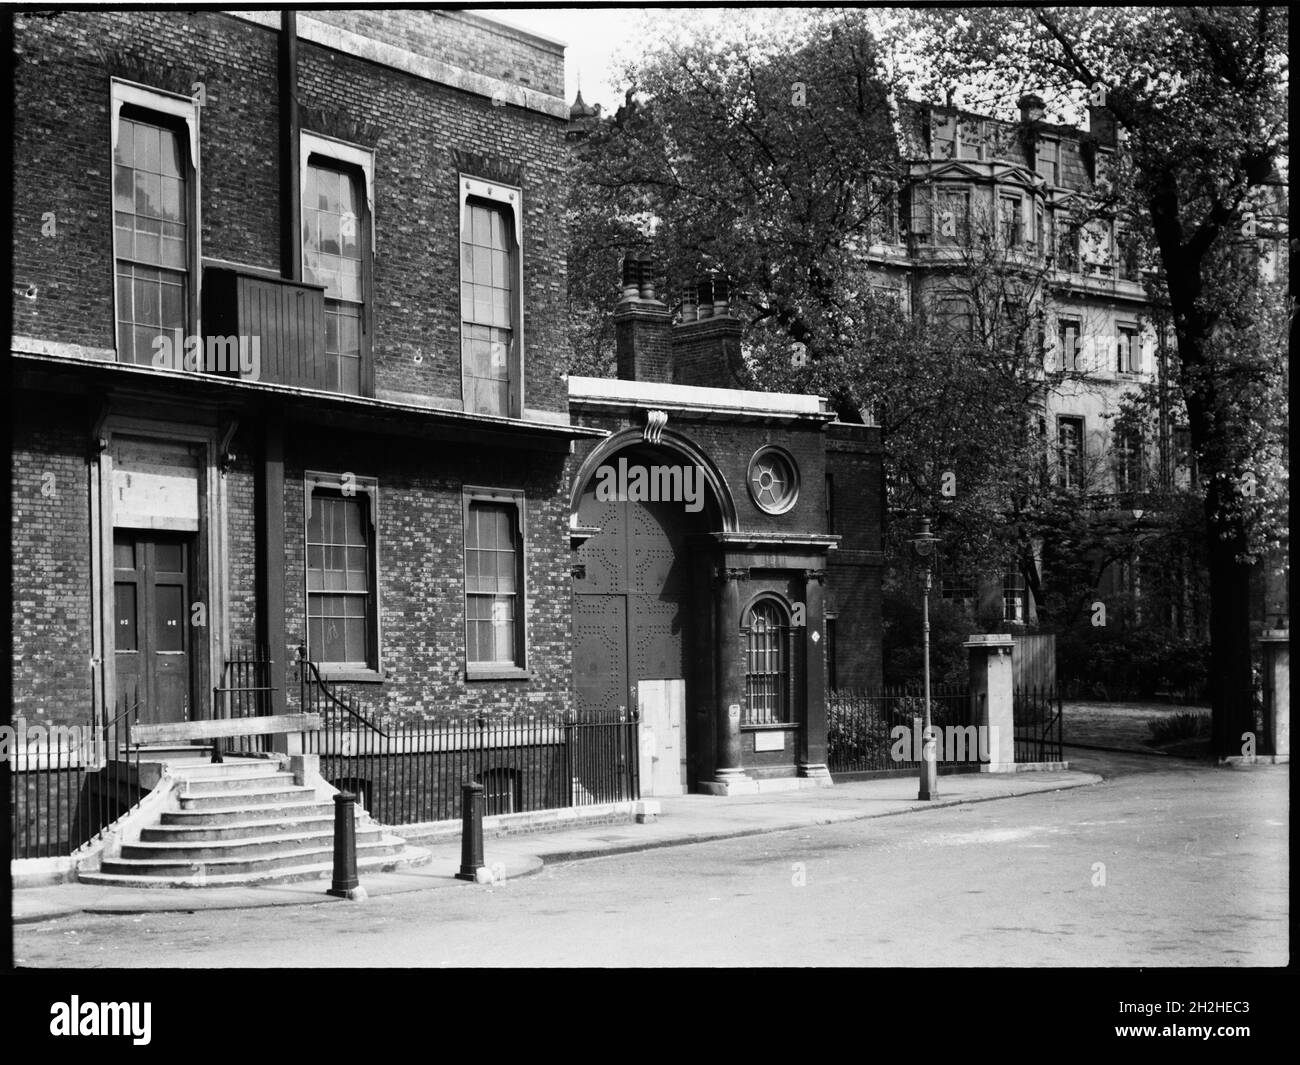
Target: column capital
(815,575)
(723,574)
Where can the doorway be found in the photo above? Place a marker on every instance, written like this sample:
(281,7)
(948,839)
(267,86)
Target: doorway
(151,629)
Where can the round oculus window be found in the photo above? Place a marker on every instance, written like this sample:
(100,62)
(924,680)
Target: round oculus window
(773,480)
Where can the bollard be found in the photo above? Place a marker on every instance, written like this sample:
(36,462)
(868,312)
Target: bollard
(346,884)
(471,832)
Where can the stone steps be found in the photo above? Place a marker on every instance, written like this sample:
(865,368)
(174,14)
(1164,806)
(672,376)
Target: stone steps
(243,822)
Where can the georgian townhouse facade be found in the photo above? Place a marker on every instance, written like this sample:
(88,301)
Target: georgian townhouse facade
(290,359)
(289,371)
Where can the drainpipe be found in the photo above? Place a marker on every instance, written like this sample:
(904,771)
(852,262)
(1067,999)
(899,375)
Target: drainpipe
(290,193)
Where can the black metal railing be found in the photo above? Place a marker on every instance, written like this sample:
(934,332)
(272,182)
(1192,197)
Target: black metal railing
(245,691)
(1039,727)
(861,736)
(67,783)
(413,772)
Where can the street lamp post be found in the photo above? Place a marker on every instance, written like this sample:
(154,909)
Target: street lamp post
(923,547)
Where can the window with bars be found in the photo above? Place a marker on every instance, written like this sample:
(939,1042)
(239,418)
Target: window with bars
(489,300)
(494,581)
(152,219)
(770,655)
(341,587)
(334,231)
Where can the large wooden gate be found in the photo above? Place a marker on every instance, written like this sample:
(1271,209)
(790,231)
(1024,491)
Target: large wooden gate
(633,597)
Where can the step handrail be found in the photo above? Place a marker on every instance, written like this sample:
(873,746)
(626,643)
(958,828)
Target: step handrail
(325,689)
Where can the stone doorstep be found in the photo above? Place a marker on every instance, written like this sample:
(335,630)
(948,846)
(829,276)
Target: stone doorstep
(764,785)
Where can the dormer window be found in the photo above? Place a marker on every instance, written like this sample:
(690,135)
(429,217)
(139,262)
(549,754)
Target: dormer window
(1047,160)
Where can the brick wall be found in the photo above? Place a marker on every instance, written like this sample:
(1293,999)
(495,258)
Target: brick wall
(422,134)
(854,460)
(420,537)
(462,39)
(730,446)
(707,352)
(50,539)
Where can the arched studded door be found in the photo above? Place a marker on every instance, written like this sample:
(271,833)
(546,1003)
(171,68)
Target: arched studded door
(632,602)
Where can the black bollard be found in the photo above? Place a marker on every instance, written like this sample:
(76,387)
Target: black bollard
(471,832)
(346,884)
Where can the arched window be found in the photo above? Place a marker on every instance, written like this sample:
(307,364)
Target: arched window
(769,660)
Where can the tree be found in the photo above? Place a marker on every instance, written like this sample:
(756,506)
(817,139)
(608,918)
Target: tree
(1199,95)
(775,160)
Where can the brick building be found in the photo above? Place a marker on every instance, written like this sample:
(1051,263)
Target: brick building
(727,618)
(981,199)
(386,261)
(289,369)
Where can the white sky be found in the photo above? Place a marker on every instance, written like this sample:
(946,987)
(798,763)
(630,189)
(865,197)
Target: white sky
(599,36)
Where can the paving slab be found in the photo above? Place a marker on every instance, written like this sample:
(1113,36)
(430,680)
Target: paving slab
(683,820)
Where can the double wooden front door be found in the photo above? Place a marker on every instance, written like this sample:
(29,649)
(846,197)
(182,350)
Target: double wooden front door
(151,630)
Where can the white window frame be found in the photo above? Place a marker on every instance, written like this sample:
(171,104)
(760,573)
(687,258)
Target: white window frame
(356,485)
(338,151)
(511,197)
(514,497)
(342,153)
(1135,360)
(185,108)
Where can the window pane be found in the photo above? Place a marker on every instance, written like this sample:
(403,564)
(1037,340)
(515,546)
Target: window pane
(169,603)
(150,217)
(125,630)
(169,558)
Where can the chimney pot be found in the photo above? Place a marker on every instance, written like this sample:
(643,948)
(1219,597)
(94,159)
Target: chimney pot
(721,296)
(647,276)
(631,276)
(704,290)
(1032,108)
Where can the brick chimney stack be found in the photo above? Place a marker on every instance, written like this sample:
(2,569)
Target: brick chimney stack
(642,324)
(1032,108)
(706,341)
(1101,124)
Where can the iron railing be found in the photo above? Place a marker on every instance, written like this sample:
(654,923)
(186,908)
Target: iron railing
(67,784)
(1039,729)
(860,736)
(245,691)
(413,772)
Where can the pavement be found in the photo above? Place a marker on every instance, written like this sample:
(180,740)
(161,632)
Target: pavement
(683,820)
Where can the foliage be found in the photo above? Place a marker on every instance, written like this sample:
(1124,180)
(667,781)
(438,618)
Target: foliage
(1199,96)
(1181,726)
(950,626)
(1140,662)
(714,164)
